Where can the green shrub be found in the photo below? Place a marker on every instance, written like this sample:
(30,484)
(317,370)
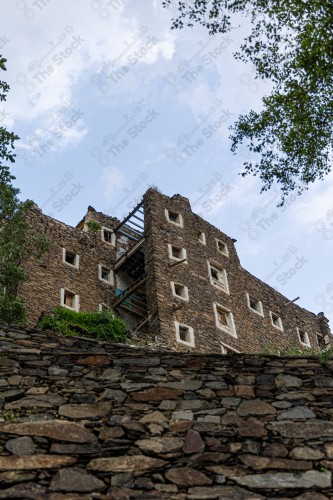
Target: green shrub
(97,325)
(12,310)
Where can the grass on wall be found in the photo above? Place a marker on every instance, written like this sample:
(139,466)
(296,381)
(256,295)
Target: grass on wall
(101,325)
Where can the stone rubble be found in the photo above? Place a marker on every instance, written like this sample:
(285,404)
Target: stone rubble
(88,420)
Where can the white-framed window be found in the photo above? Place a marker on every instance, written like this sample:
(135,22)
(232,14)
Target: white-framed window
(103,307)
(218,277)
(174,217)
(70,258)
(276,321)
(176,253)
(184,334)
(69,299)
(222,248)
(180,291)
(254,305)
(226,349)
(108,236)
(303,337)
(202,238)
(224,319)
(105,274)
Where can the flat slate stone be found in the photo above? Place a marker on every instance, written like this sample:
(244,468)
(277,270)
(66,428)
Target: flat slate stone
(274,463)
(21,446)
(193,442)
(85,410)
(70,480)
(137,361)
(136,463)
(185,476)
(94,360)
(221,493)
(316,429)
(38,401)
(26,491)
(59,430)
(296,413)
(32,462)
(284,480)
(184,385)
(255,407)
(157,394)
(160,445)
(283,380)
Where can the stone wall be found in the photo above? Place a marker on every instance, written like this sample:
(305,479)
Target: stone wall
(253,331)
(84,420)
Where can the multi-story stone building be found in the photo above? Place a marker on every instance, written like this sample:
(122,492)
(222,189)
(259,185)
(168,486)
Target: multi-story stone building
(173,277)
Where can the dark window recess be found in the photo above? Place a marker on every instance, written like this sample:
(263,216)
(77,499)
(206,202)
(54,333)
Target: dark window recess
(70,258)
(105,274)
(107,235)
(184,334)
(214,273)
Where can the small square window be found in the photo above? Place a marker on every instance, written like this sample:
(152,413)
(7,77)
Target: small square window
(103,308)
(70,258)
(218,277)
(184,334)
(202,238)
(174,217)
(276,321)
(105,274)
(224,320)
(320,341)
(222,248)
(108,236)
(69,299)
(176,253)
(255,305)
(180,291)
(303,337)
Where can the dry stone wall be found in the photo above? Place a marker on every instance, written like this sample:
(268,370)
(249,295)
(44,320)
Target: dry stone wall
(81,419)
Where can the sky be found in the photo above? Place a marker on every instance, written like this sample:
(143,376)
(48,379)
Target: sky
(107,100)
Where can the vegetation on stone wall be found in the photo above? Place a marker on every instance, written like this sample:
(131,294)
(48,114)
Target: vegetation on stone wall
(101,325)
(18,241)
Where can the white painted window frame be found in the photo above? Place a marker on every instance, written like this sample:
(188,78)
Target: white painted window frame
(280,328)
(261,313)
(110,281)
(176,259)
(225,347)
(77,259)
(226,251)
(306,344)
(173,288)
(203,240)
(113,236)
(167,216)
(76,300)
(217,284)
(230,331)
(191,332)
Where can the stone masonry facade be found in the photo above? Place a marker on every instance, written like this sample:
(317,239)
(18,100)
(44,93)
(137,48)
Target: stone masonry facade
(177,281)
(84,420)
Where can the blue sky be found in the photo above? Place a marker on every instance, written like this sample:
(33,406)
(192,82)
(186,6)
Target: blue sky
(108,100)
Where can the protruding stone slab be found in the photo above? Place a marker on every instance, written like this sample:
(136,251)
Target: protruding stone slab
(297,413)
(274,463)
(136,463)
(185,476)
(95,360)
(59,430)
(38,401)
(70,480)
(32,462)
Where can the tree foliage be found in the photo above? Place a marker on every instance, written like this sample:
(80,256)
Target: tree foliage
(18,241)
(291,43)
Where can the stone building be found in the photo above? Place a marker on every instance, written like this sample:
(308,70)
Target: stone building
(172,276)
